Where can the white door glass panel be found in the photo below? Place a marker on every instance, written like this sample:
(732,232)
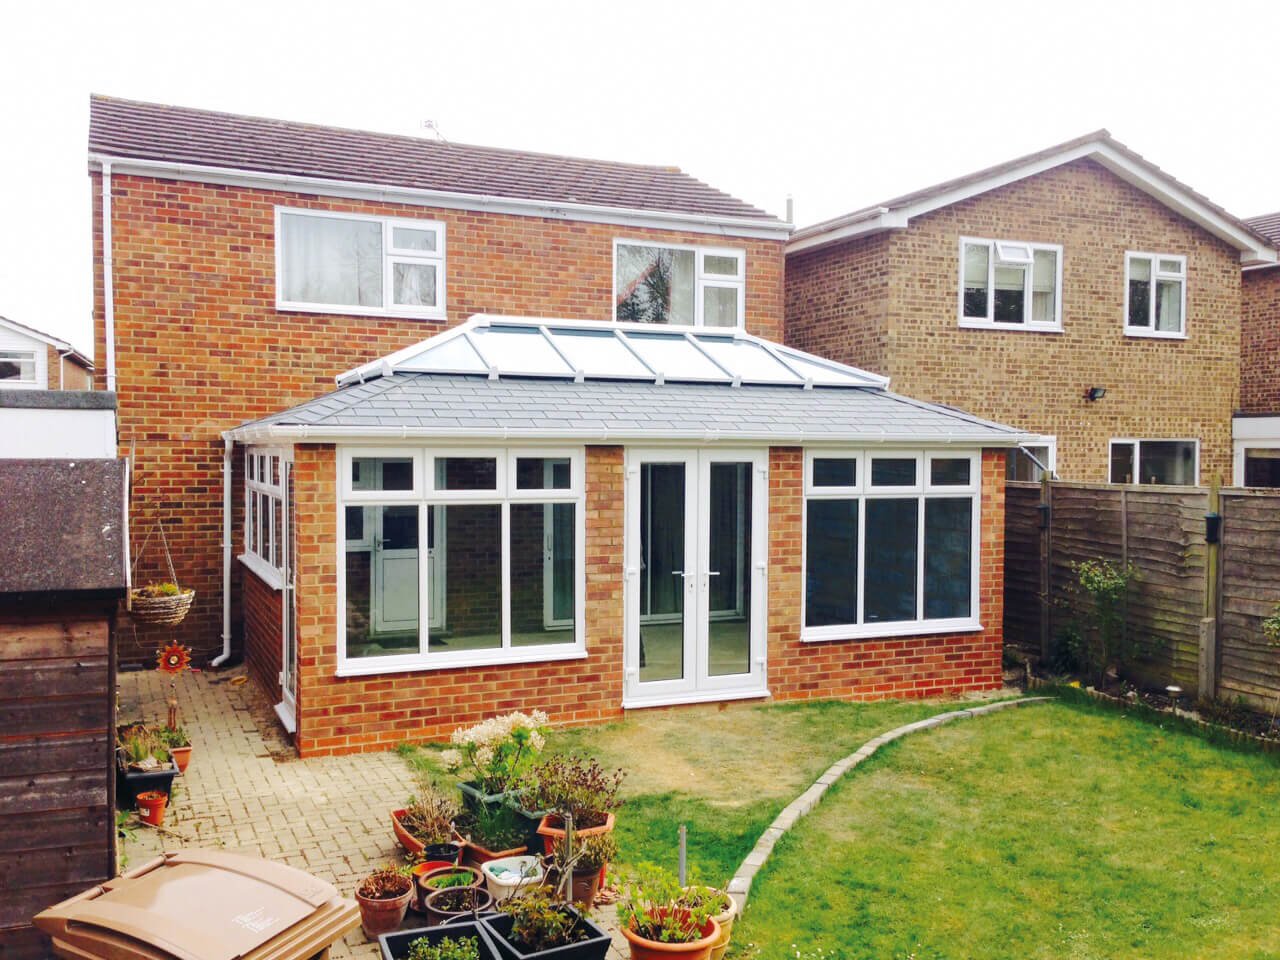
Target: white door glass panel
(666,568)
(728,522)
(288,612)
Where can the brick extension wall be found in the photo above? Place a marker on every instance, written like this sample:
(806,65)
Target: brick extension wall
(200,346)
(889,303)
(1260,341)
(262,625)
(350,714)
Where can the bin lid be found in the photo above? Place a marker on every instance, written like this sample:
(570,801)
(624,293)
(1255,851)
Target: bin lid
(202,905)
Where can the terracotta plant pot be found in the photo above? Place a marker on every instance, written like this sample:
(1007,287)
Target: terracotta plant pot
(442,909)
(151,806)
(586,885)
(181,756)
(382,916)
(644,949)
(475,855)
(421,869)
(551,829)
(423,888)
(412,844)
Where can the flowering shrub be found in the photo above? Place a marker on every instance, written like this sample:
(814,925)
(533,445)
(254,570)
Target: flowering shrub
(575,786)
(497,750)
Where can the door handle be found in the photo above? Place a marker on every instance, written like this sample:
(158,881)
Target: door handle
(681,573)
(713,573)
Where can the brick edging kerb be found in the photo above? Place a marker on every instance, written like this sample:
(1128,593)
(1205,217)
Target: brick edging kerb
(797,808)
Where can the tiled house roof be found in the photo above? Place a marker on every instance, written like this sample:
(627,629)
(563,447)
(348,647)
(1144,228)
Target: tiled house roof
(181,135)
(1268,225)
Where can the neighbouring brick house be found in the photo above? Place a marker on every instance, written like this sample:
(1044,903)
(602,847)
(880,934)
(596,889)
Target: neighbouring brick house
(636,498)
(1013,291)
(33,360)
(1256,428)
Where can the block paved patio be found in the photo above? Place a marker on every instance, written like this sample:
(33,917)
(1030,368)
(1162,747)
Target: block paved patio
(246,791)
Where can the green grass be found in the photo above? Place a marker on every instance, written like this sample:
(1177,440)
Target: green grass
(723,771)
(1055,830)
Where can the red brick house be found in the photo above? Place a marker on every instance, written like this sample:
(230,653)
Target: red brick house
(566,463)
(1074,293)
(1256,427)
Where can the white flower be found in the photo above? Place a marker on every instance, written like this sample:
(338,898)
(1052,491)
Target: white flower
(451,759)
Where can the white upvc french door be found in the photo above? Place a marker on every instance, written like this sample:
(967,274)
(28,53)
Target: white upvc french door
(695,546)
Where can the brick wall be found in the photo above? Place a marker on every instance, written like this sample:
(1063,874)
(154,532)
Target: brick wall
(1260,341)
(893,667)
(262,624)
(349,714)
(65,374)
(1155,388)
(200,346)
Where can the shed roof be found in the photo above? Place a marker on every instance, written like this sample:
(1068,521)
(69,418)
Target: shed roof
(64,523)
(183,135)
(402,397)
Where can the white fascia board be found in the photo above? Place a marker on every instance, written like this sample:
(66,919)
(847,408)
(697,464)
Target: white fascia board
(35,334)
(514,206)
(292,433)
(1260,266)
(1161,188)
(1255,428)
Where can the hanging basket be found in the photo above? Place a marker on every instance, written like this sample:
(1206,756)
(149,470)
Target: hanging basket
(165,607)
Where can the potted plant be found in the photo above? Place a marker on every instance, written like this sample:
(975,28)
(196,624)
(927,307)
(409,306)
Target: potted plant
(538,925)
(151,805)
(492,833)
(444,905)
(420,865)
(383,897)
(724,911)
(444,878)
(424,825)
(462,940)
(493,754)
(142,764)
(586,865)
(659,925)
(577,787)
(178,744)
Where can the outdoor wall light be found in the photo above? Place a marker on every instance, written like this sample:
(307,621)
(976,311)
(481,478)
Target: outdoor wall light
(1095,393)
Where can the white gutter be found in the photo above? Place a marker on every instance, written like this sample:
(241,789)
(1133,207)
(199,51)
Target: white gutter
(223,657)
(769,229)
(108,291)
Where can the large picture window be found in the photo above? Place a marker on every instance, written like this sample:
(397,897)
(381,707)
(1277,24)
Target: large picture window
(346,263)
(695,286)
(1010,284)
(1161,462)
(1155,295)
(891,543)
(458,557)
(266,516)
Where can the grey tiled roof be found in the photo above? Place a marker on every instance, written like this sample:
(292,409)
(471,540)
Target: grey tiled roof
(455,406)
(1268,225)
(153,131)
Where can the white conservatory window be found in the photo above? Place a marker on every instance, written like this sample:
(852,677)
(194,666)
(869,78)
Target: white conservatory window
(891,543)
(350,263)
(456,557)
(266,519)
(667,283)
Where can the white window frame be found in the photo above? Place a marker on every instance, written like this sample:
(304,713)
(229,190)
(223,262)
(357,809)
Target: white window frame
(1137,458)
(994,247)
(424,496)
(272,495)
(33,356)
(701,279)
(1043,440)
(1156,275)
(863,491)
(390,256)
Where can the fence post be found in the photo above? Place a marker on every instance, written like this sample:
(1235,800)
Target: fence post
(1207,674)
(1046,550)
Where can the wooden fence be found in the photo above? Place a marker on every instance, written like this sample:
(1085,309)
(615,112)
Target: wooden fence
(1194,611)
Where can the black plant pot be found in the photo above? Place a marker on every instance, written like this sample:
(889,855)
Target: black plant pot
(594,947)
(130,783)
(442,851)
(395,946)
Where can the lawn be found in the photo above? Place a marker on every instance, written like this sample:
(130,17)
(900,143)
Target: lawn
(1052,830)
(723,771)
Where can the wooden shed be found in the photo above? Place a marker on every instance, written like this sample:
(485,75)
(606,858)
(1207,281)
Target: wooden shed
(63,574)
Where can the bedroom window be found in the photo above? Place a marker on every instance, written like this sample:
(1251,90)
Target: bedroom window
(664,283)
(348,263)
(459,557)
(891,543)
(1010,285)
(1155,295)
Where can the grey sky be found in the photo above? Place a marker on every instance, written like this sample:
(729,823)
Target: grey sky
(840,105)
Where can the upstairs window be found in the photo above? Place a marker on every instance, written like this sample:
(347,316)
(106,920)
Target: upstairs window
(1175,462)
(17,367)
(693,286)
(1010,284)
(1155,295)
(346,263)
